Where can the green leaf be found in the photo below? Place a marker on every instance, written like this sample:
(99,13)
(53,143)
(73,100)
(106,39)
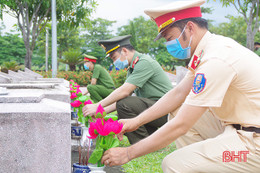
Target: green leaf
(96,155)
(99,115)
(109,141)
(83,98)
(114,117)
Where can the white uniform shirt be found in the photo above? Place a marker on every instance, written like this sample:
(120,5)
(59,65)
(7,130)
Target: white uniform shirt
(227,80)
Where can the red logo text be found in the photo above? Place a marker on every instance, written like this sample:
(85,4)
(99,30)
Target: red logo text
(232,156)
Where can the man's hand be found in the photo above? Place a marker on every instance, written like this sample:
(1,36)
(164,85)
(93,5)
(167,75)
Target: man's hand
(84,91)
(129,125)
(115,156)
(90,110)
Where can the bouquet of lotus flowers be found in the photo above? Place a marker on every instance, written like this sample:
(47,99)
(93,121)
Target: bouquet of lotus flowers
(79,103)
(105,130)
(74,90)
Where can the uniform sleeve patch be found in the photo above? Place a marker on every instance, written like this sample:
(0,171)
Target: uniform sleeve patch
(199,83)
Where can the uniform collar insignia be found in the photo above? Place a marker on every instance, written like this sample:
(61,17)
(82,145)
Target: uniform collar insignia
(196,60)
(135,61)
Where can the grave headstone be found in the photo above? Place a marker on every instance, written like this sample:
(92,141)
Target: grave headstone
(35,127)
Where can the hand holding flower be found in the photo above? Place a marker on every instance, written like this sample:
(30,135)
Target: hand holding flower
(105,132)
(90,110)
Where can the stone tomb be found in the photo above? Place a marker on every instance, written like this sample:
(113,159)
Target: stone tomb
(35,131)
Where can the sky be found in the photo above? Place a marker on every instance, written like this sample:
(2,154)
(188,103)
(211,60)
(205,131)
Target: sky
(124,10)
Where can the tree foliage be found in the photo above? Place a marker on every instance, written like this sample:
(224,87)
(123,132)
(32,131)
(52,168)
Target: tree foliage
(234,28)
(33,15)
(72,57)
(11,48)
(67,39)
(10,65)
(97,30)
(249,9)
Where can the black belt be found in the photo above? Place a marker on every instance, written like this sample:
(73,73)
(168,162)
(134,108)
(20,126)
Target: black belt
(250,129)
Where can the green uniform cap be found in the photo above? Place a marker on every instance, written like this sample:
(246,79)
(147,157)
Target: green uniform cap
(114,43)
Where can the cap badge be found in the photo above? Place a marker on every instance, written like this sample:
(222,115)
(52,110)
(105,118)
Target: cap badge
(168,22)
(103,46)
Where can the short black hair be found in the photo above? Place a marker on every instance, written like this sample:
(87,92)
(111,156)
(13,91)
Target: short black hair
(256,43)
(202,23)
(129,47)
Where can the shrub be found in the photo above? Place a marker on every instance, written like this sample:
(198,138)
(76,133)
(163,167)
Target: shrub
(118,76)
(169,70)
(82,77)
(12,65)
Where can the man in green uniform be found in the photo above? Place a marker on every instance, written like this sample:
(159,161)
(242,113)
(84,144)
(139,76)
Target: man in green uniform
(101,82)
(145,78)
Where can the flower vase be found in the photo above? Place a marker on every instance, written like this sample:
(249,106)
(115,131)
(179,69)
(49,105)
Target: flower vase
(76,132)
(80,168)
(95,168)
(74,115)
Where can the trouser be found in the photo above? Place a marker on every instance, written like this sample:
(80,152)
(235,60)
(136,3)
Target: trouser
(98,92)
(131,107)
(208,146)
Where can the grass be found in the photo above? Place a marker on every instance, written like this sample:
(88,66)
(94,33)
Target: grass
(148,163)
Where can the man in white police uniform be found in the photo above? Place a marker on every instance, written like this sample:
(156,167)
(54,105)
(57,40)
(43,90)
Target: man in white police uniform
(223,78)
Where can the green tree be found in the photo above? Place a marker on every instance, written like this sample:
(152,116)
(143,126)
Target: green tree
(97,30)
(2,27)
(68,38)
(33,15)
(249,9)
(234,28)
(72,57)
(11,48)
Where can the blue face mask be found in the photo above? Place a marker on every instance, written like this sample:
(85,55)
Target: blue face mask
(86,67)
(175,49)
(121,64)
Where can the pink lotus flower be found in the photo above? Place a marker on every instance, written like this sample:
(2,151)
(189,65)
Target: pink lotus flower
(71,88)
(104,128)
(88,102)
(76,103)
(73,95)
(100,112)
(78,91)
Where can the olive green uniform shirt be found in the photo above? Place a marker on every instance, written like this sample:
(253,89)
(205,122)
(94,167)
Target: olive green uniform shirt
(149,77)
(102,76)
